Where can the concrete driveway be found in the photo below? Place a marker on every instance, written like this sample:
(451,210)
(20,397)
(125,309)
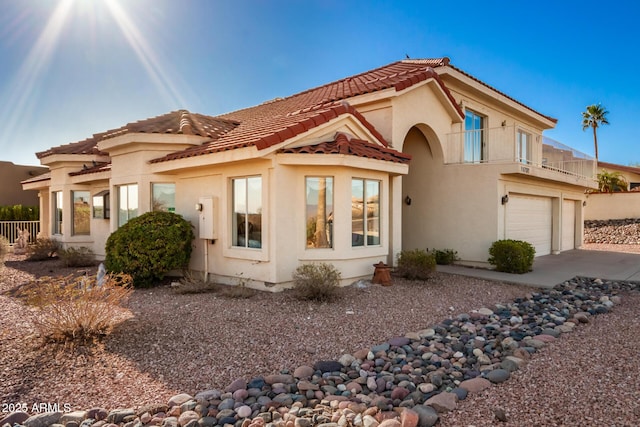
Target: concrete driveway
(550,270)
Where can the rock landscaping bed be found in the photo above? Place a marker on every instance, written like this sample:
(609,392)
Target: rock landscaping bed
(410,354)
(613,232)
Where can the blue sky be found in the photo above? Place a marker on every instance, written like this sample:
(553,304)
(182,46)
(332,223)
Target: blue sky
(72,68)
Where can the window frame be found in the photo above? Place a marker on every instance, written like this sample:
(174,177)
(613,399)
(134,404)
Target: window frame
(247,224)
(128,210)
(366,231)
(100,205)
(328,211)
(474,136)
(155,185)
(57,211)
(526,159)
(75,213)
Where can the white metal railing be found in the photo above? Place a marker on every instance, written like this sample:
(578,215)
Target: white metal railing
(11,230)
(501,145)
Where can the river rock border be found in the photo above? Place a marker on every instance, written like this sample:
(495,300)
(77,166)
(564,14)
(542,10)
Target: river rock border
(406,381)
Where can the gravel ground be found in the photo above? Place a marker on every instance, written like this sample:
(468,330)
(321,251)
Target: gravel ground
(189,343)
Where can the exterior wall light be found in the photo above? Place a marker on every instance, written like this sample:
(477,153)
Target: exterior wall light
(198,207)
(505,199)
(407,200)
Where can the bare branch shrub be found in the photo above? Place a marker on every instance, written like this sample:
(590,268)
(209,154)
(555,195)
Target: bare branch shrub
(77,257)
(78,309)
(44,248)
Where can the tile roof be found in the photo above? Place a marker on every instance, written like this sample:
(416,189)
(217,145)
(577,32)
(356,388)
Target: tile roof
(43,177)
(356,147)
(176,122)
(95,168)
(631,169)
(278,120)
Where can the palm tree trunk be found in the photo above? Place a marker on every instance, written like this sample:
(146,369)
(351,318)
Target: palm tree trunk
(321,222)
(595,141)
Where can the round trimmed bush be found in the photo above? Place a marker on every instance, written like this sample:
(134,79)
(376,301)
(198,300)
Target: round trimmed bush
(149,246)
(512,256)
(416,264)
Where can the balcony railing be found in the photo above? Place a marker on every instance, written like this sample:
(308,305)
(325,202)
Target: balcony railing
(506,145)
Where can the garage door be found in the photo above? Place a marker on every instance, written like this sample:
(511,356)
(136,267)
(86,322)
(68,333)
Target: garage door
(568,225)
(529,219)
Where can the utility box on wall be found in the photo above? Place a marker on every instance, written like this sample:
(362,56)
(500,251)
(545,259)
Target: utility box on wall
(208,217)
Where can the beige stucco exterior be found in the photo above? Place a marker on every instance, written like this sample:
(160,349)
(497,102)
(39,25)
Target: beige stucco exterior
(12,192)
(618,205)
(438,202)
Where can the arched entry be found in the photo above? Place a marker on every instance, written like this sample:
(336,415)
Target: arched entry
(420,188)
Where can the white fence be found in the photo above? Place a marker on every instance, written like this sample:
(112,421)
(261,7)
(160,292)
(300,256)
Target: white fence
(10,229)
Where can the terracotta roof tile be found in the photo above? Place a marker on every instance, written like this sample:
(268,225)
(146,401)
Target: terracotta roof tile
(280,119)
(43,177)
(95,168)
(631,169)
(175,122)
(355,147)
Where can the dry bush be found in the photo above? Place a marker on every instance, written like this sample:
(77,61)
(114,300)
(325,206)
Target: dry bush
(43,249)
(4,249)
(191,284)
(78,309)
(316,282)
(77,257)
(239,291)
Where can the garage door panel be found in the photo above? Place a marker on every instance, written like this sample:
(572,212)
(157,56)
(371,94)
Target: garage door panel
(568,225)
(529,219)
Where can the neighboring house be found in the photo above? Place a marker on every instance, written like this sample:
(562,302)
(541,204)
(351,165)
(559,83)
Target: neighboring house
(324,175)
(11,176)
(618,205)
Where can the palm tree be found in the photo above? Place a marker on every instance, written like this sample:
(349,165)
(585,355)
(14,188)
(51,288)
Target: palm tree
(593,117)
(611,182)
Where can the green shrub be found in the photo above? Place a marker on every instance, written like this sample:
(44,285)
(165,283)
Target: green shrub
(4,249)
(77,257)
(316,282)
(512,256)
(42,249)
(77,309)
(445,256)
(149,246)
(416,264)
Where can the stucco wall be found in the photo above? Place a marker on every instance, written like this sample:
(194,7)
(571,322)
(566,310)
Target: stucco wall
(12,193)
(604,206)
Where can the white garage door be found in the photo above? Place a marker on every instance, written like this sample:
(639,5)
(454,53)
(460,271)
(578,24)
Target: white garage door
(529,219)
(568,225)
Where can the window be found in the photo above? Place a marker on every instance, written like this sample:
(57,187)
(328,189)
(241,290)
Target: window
(163,197)
(523,147)
(473,137)
(319,211)
(127,203)
(57,212)
(247,212)
(101,205)
(365,212)
(81,212)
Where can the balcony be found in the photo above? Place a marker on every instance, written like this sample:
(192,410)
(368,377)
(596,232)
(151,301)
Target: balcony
(531,153)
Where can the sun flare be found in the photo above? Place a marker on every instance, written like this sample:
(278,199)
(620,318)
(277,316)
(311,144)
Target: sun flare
(84,18)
